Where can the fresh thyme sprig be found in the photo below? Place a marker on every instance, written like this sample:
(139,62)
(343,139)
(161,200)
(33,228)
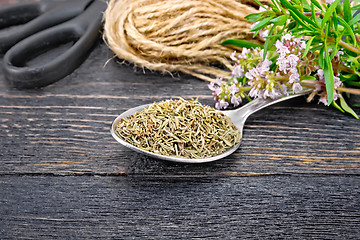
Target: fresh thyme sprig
(307,44)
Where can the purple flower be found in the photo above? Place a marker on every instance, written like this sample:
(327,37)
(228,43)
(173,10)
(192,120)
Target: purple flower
(265,66)
(221,104)
(233,89)
(264,33)
(244,53)
(233,57)
(320,74)
(336,96)
(235,100)
(283,88)
(293,60)
(286,37)
(323,100)
(337,82)
(282,62)
(261,9)
(212,86)
(254,92)
(339,53)
(252,73)
(294,77)
(218,81)
(218,91)
(257,92)
(275,93)
(238,72)
(297,87)
(301,45)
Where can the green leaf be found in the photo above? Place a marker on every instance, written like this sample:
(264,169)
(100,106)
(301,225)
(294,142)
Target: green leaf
(298,13)
(348,29)
(261,24)
(321,57)
(350,77)
(329,13)
(334,51)
(274,36)
(268,41)
(297,6)
(317,4)
(281,20)
(313,14)
(291,25)
(356,7)
(297,19)
(355,19)
(306,77)
(275,6)
(254,17)
(354,83)
(241,43)
(347,11)
(306,5)
(256,33)
(346,107)
(357,26)
(308,45)
(329,75)
(260,4)
(334,104)
(335,22)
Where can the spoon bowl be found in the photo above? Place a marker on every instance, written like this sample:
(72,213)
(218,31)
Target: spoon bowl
(237,116)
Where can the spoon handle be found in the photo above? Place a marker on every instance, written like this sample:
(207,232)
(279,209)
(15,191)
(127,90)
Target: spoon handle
(239,116)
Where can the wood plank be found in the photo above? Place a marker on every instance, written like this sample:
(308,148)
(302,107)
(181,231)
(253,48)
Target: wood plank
(170,207)
(296,175)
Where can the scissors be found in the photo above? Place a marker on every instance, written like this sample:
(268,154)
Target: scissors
(47,25)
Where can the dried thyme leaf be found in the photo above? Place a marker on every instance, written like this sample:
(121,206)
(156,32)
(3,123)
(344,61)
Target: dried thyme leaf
(179,128)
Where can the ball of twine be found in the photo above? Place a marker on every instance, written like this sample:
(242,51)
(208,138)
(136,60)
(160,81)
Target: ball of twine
(177,35)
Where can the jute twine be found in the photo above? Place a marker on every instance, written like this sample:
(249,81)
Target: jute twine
(177,35)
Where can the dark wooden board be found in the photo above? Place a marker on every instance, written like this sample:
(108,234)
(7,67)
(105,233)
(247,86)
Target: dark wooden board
(267,207)
(62,175)
(64,128)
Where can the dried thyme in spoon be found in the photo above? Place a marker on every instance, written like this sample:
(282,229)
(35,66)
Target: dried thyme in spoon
(179,128)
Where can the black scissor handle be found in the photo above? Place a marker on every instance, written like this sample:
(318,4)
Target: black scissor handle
(83,30)
(18,14)
(35,17)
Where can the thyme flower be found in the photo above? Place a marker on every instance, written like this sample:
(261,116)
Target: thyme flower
(308,44)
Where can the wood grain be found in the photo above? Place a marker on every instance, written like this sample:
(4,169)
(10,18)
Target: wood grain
(272,207)
(62,175)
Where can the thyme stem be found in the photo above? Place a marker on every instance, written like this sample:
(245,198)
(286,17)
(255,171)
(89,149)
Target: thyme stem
(349,90)
(349,47)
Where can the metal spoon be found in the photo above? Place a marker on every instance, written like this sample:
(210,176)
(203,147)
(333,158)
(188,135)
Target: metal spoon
(237,116)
